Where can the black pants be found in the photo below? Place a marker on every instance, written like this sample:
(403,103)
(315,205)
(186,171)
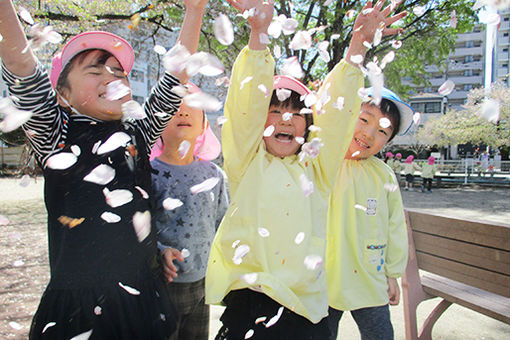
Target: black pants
(245,306)
(427,183)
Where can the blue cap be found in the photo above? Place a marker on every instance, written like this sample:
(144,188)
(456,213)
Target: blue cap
(405,110)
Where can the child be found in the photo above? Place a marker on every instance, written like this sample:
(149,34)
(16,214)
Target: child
(409,168)
(367,239)
(396,165)
(428,171)
(388,159)
(184,152)
(106,281)
(265,262)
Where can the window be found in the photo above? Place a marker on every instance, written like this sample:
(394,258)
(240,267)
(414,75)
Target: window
(468,59)
(137,75)
(505,50)
(468,87)
(505,34)
(506,19)
(468,73)
(419,107)
(433,107)
(470,44)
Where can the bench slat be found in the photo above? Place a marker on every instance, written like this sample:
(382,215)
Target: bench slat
(484,302)
(491,235)
(483,279)
(470,254)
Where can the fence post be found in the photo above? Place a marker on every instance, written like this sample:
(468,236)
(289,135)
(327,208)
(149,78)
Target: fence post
(466,171)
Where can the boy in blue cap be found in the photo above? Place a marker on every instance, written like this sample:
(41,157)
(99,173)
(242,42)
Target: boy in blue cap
(367,236)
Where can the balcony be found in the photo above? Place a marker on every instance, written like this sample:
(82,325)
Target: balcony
(502,56)
(478,36)
(474,51)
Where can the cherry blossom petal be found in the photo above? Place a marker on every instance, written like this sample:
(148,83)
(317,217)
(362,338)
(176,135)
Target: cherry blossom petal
(117,197)
(133,110)
(275,318)
(115,141)
(416,118)
(275,29)
(245,81)
(102,175)
(206,185)
(277,51)
(12,116)
(25,181)
(390,187)
(310,149)
(314,128)
(84,335)
(491,110)
(335,36)
(312,262)
(306,185)
(110,217)
(299,140)
(310,99)
(299,237)
(339,104)
(15,325)
(174,61)
(171,203)
(249,334)
(159,49)
(116,90)
(268,131)
(357,59)
(350,14)
(185,253)
(363,94)
(203,101)
(291,67)
(128,289)
(289,25)
(283,94)
(183,148)
(355,153)
(263,232)
(377,37)
(240,252)
(48,325)
(396,44)
(144,193)
(223,30)
(142,224)
(302,41)
(388,58)
(360,207)
(235,243)
(98,310)
(419,10)
(447,88)
(61,161)
(287,116)
(384,122)
(221,120)
(260,319)
(264,39)
(264,90)
(25,15)
(250,278)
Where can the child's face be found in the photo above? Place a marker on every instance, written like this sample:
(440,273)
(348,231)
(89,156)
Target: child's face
(283,142)
(186,124)
(87,87)
(369,136)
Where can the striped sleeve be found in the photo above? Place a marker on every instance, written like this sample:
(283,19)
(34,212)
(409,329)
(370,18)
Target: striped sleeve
(46,128)
(161,100)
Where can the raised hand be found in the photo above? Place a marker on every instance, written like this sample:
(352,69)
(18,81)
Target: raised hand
(371,19)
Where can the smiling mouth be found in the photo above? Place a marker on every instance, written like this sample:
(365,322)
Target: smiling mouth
(360,143)
(284,137)
(183,125)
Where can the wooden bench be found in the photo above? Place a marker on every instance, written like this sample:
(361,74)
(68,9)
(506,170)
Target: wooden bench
(460,261)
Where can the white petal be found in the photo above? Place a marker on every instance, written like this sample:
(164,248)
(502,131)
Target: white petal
(310,99)
(277,51)
(299,140)
(289,26)
(15,325)
(18,263)
(117,197)
(287,116)
(128,289)
(388,58)
(384,122)
(98,310)
(275,29)
(268,131)
(419,10)
(117,140)
(305,111)
(264,90)
(240,252)
(260,319)
(202,101)
(171,203)
(390,187)
(235,243)
(110,217)
(175,59)
(25,181)
(306,185)
(302,41)
(61,161)
(142,224)
(263,232)
(357,59)
(144,193)
(299,237)
(223,30)
(83,336)
(249,334)
(25,15)
(275,318)
(211,66)
(183,148)
(116,90)
(133,110)
(185,253)
(396,44)
(12,116)
(355,153)
(264,38)
(221,120)
(360,207)
(245,81)
(48,325)
(159,49)
(339,104)
(75,149)
(102,175)
(313,262)
(283,94)
(206,185)
(491,110)
(250,278)
(416,118)
(314,128)
(291,67)
(335,36)
(447,88)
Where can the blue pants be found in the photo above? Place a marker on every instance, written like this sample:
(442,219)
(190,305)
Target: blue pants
(374,323)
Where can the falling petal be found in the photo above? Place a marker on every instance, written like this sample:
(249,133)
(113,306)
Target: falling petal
(305,111)
(206,185)
(287,116)
(240,252)
(360,207)
(110,217)
(183,148)
(268,131)
(328,2)
(310,99)
(335,36)
(61,161)
(83,336)
(314,128)
(377,36)
(12,116)
(247,13)
(384,122)
(18,263)
(260,319)
(15,325)
(419,10)
(447,88)
(357,59)
(75,149)
(396,44)
(363,94)
(275,29)
(98,310)
(185,253)
(203,101)
(283,94)
(159,49)
(221,81)
(289,26)
(489,18)
(116,90)
(223,30)
(367,44)
(144,193)
(133,110)
(291,67)
(299,237)
(264,90)
(310,149)
(306,185)
(491,110)
(263,232)
(277,51)
(264,39)
(339,104)
(453,19)
(171,203)
(221,120)
(322,47)
(250,278)
(117,140)
(25,181)
(313,262)
(299,140)
(275,318)
(355,153)
(180,90)
(128,289)
(174,61)
(390,187)
(388,58)
(25,15)
(249,334)
(235,243)
(204,63)
(376,79)
(102,175)
(142,224)
(117,197)
(48,325)
(245,81)
(96,146)
(302,41)
(416,118)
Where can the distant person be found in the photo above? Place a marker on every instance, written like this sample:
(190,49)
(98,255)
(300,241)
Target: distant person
(409,169)
(428,172)
(484,161)
(388,158)
(396,165)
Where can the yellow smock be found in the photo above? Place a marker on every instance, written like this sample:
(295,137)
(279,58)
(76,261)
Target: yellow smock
(268,209)
(367,235)
(410,168)
(428,170)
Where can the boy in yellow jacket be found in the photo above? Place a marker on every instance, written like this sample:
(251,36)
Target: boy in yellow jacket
(367,237)
(266,259)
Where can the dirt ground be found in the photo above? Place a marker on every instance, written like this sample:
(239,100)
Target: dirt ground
(24,270)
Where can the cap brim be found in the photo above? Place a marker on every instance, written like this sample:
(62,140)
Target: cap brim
(406,116)
(100,40)
(290,83)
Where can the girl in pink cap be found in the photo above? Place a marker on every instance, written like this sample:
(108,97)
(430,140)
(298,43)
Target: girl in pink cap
(428,171)
(266,262)
(181,159)
(106,278)
(409,169)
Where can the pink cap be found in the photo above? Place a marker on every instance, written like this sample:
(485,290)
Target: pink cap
(207,146)
(409,159)
(398,155)
(389,154)
(290,83)
(93,40)
(431,160)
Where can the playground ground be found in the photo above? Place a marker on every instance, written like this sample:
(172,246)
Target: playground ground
(24,270)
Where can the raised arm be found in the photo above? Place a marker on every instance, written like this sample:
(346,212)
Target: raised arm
(14,42)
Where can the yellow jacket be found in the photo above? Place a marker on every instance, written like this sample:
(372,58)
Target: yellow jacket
(367,235)
(268,208)
(428,170)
